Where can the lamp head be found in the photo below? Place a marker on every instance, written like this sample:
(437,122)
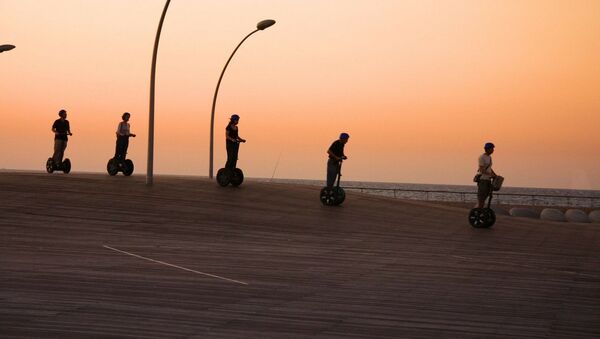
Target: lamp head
(4,48)
(265,24)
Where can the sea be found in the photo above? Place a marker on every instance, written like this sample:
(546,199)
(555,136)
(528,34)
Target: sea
(522,196)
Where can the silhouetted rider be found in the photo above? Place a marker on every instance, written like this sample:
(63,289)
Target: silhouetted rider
(62,130)
(123,134)
(232,142)
(336,155)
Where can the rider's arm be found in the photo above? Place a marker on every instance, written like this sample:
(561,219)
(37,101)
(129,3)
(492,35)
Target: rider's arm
(330,152)
(129,129)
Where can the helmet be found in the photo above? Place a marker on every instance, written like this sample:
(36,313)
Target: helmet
(488,145)
(235,117)
(344,136)
(125,114)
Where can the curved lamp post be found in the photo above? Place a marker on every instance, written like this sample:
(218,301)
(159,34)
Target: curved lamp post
(259,27)
(5,48)
(149,177)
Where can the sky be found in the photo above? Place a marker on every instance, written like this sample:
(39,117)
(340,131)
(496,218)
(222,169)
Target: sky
(419,85)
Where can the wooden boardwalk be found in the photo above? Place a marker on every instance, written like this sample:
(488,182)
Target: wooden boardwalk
(74,253)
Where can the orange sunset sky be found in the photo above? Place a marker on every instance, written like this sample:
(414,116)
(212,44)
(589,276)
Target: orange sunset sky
(419,85)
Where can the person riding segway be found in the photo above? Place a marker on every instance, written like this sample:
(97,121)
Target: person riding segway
(487,182)
(330,195)
(62,130)
(230,174)
(119,162)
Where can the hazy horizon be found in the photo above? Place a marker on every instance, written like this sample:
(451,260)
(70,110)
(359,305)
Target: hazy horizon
(420,86)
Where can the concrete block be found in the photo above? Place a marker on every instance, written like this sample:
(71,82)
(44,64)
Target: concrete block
(523,212)
(499,210)
(575,215)
(552,214)
(595,216)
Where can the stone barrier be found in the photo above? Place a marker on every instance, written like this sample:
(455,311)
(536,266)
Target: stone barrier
(595,216)
(523,212)
(499,210)
(552,214)
(575,215)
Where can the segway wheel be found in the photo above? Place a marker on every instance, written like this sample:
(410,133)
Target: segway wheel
(339,195)
(66,166)
(327,197)
(50,165)
(128,168)
(482,217)
(223,177)
(112,168)
(237,178)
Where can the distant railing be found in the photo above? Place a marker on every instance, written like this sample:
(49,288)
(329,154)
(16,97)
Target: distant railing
(508,198)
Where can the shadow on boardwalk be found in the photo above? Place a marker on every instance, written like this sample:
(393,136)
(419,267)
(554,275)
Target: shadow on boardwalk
(267,260)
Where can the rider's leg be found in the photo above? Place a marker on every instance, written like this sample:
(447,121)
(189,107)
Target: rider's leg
(332,171)
(120,150)
(236,150)
(59,151)
(230,155)
(484,188)
(62,151)
(124,148)
(57,156)
(117,148)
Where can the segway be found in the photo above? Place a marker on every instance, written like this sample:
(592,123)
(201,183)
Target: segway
(64,166)
(226,176)
(115,166)
(486,217)
(336,195)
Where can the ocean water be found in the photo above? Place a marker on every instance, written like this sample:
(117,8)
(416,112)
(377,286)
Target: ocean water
(467,193)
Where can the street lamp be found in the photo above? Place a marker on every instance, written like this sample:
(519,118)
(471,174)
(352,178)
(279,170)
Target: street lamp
(5,48)
(259,27)
(149,177)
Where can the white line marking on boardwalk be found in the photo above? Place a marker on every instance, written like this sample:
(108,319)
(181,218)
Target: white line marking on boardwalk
(179,267)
